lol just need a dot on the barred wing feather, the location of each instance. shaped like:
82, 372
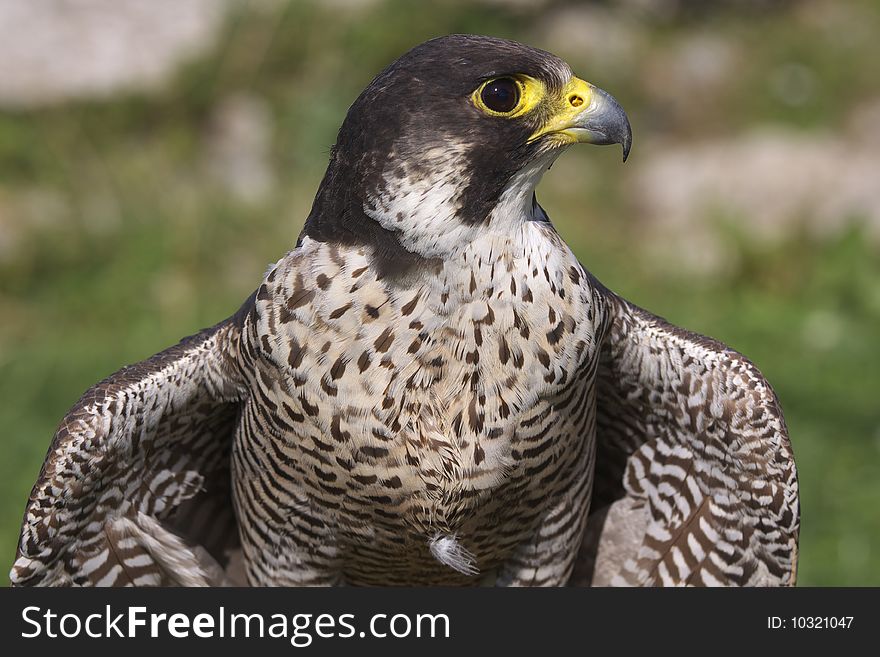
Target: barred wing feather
135, 488
695, 482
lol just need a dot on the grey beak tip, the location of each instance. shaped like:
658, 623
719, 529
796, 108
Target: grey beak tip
623, 131
614, 124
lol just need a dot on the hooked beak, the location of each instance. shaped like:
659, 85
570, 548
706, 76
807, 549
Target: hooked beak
589, 115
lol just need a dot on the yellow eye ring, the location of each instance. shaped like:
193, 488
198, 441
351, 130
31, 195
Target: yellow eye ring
508, 96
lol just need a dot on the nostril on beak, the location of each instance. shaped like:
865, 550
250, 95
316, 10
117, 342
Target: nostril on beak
575, 100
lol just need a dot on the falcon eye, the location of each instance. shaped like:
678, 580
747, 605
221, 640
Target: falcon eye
501, 95
509, 96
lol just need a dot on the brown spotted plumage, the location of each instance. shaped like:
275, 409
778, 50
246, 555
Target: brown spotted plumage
429, 389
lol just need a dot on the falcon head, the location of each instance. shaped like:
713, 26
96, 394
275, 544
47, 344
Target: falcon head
449, 141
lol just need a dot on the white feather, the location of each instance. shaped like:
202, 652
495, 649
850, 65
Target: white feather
448, 551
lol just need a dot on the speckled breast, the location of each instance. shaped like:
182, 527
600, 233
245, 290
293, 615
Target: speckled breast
455, 402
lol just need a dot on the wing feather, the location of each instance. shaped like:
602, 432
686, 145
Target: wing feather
135, 488
696, 482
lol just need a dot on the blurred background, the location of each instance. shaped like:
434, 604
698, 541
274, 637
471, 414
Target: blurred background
156, 156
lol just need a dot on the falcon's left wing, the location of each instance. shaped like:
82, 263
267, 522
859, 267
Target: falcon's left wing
695, 478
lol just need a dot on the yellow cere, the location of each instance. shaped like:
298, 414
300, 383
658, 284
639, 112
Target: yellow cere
573, 100
531, 93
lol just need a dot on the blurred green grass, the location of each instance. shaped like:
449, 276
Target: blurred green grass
129, 243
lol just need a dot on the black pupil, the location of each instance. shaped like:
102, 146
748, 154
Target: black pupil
501, 95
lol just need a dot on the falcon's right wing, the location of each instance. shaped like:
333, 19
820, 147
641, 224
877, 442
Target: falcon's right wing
135, 488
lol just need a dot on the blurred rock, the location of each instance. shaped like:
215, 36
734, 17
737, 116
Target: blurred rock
344, 5
591, 37
863, 122
652, 8
836, 24
239, 147
676, 9
55, 50
516, 4
770, 183
687, 81
701, 60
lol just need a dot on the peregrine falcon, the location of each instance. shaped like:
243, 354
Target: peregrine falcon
429, 389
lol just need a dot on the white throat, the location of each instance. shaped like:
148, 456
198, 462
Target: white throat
422, 208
